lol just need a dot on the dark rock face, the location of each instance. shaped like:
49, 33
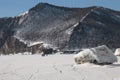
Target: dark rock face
47, 51
88, 35
13, 45
61, 27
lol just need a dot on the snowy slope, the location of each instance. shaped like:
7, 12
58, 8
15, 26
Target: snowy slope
44, 19
60, 27
54, 67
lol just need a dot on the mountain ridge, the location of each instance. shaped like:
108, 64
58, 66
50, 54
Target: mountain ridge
59, 27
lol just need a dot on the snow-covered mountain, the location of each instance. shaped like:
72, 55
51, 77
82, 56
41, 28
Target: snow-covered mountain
59, 27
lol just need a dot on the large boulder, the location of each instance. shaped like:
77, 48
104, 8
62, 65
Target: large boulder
117, 52
99, 55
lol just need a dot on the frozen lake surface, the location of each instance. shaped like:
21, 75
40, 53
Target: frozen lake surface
54, 67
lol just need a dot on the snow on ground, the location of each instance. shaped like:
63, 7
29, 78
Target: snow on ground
54, 67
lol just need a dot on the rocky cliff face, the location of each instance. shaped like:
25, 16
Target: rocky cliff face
59, 27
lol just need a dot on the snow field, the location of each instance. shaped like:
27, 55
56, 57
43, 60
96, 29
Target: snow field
54, 67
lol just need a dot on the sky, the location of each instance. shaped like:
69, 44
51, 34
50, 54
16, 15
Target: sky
15, 7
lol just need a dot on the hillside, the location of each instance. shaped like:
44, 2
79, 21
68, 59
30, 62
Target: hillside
59, 27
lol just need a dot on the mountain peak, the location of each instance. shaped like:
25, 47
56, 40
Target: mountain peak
60, 27
41, 6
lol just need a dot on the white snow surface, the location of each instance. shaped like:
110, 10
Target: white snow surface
35, 43
24, 13
117, 52
104, 54
70, 30
84, 17
54, 67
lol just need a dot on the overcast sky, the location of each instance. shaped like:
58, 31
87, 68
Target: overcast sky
15, 7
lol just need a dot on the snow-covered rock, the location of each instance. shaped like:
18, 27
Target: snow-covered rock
99, 55
117, 52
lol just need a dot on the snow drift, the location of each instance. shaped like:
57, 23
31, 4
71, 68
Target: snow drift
99, 55
117, 52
